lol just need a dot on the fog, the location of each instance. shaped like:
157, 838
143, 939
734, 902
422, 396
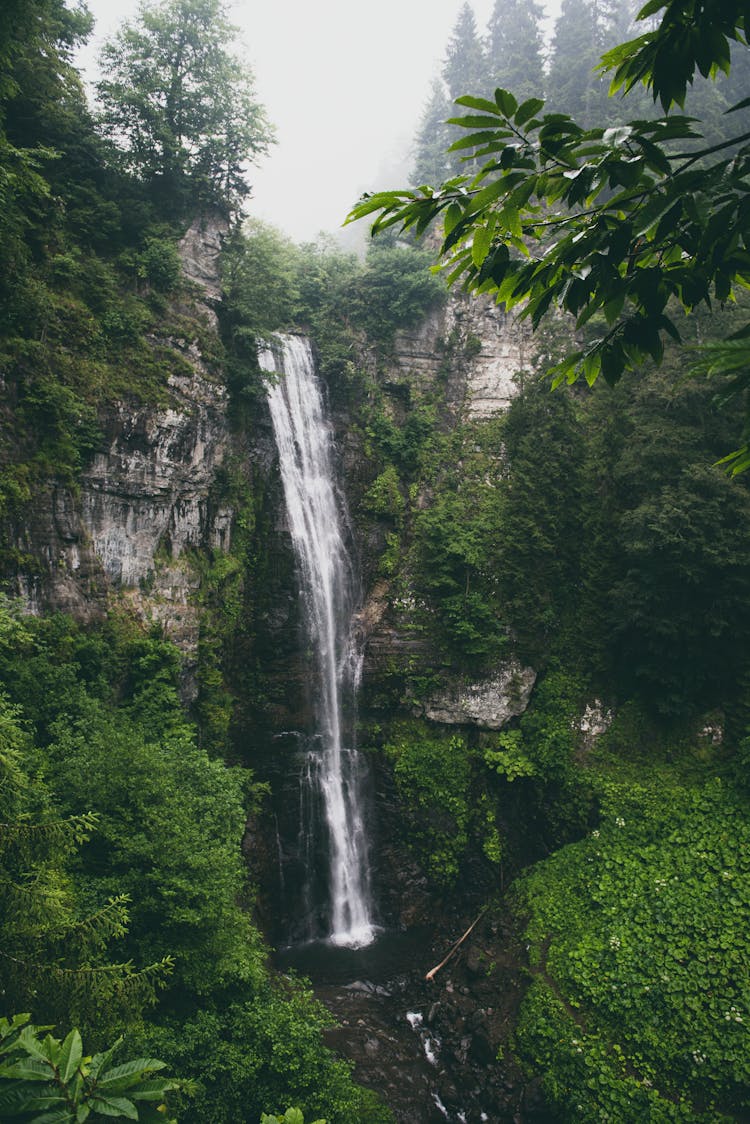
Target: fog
343, 81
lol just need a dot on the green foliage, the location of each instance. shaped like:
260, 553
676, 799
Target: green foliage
258, 1049
455, 542
384, 497
538, 758
50, 1080
538, 542
55, 952
615, 221
637, 950
291, 1116
181, 103
109, 734
433, 776
395, 290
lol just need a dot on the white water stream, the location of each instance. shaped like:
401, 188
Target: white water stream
333, 770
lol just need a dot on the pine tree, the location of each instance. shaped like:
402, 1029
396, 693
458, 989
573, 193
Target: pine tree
464, 66
432, 163
514, 48
573, 85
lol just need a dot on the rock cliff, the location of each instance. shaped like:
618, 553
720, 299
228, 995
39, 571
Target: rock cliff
148, 497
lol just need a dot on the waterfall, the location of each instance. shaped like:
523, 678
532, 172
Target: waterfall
332, 771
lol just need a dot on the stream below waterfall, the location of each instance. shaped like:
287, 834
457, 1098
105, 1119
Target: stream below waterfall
430, 1049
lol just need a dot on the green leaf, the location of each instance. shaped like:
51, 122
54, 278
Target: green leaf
506, 102
114, 1106
293, 1116
29, 1069
453, 216
481, 243
131, 1071
70, 1055
478, 103
527, 110
478, 121
154, 1090
99, 1062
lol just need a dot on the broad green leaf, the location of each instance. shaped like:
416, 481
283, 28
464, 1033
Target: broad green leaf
474, 140
481, 243
478, 103
527, 110
487, 195
506, 102
592, 365
453, 216
478, 121
114, 1106
650, 8
70, 1055
17, 1098
29, 1069
154, 1090
293, 1116
99, 1062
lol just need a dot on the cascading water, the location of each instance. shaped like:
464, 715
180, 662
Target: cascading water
332, 771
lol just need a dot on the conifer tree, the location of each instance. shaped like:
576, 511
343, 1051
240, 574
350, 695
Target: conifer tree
573, 85
463, 68
432, 162
514, 48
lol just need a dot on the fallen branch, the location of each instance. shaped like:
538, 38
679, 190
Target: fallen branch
434, 971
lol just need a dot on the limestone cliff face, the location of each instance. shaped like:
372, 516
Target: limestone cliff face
148, 495
475, 347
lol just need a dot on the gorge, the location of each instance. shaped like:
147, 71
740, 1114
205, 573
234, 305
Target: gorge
374, 719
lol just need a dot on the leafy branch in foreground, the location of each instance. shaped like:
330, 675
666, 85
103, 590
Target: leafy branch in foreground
618, 222
640, 225
51, 1081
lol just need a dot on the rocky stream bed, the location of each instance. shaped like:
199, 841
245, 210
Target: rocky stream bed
435, 1050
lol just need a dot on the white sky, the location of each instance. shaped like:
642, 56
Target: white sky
343, 81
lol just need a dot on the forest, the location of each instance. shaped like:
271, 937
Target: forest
537, 381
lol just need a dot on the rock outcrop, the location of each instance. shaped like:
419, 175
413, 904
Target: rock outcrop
473, 345
488, 703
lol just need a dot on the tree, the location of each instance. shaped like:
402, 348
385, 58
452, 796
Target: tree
432, 162
463, 67
181, 105
573, 86
514, 47
606, 224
